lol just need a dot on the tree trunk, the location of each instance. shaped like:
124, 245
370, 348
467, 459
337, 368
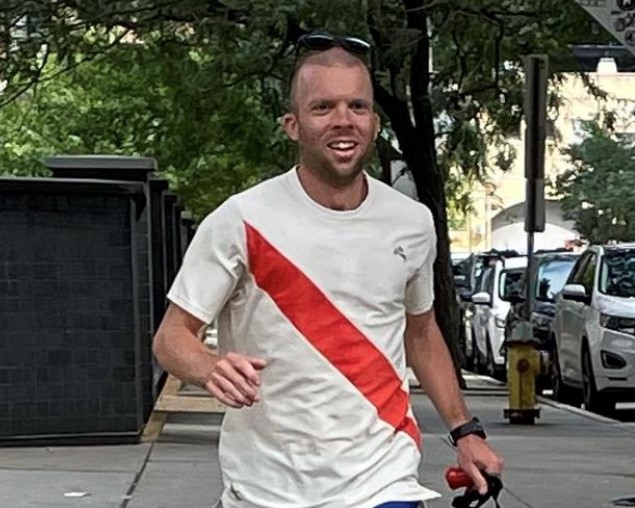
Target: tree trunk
384, 153
419, 152
431, 191
417, 142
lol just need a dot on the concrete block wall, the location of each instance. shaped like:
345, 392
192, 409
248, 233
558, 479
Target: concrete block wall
83, 277
68, 360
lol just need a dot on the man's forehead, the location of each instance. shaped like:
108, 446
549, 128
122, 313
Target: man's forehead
310, 71
320, 67
317, 85
331, 56
315, 71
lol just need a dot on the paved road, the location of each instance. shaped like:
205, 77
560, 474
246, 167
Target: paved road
567, 460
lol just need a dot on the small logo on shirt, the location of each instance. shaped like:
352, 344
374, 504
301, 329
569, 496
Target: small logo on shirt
235, 493
400, 252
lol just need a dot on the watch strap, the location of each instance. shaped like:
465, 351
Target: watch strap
473, 426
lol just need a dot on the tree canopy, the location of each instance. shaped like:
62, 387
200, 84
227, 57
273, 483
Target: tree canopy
210, 140
447, 76
597, 193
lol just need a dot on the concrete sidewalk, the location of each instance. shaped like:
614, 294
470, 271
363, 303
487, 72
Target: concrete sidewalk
569, 459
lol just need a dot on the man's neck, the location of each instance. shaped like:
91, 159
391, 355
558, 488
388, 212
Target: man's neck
344, 198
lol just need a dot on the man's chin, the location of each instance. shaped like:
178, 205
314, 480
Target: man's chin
346, 173
351, 166
337, 172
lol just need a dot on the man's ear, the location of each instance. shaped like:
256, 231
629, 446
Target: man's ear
377, 125
290, 125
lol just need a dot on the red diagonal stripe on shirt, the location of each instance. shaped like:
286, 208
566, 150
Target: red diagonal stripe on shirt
330, 332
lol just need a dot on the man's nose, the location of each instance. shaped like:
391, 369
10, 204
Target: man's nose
342, 116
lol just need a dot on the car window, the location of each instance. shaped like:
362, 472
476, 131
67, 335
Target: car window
617, 273
578, 270
478, 272
485, 280
489, 280
588, 274
510, 281
552, 275
478, 264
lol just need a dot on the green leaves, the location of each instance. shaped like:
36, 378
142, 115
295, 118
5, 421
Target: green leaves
163, 101
198, 80
598, 193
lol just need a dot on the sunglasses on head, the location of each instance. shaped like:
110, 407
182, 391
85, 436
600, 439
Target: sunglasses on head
322, 42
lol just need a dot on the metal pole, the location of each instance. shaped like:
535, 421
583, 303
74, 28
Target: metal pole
530, 263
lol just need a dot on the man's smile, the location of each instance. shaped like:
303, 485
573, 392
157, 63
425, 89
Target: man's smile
343, 147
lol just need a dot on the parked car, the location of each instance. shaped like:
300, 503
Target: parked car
491, 304
466, 281
547, 277
458, 258
594, 330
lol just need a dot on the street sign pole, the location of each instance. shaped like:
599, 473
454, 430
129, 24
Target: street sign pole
524, 361
536, 78
616, 16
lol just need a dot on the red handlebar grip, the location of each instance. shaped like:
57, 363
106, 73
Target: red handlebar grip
457, 478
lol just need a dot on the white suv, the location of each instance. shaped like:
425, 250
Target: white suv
594, 330
487, 324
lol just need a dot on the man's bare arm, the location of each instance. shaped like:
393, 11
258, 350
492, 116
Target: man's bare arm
430, 360
177, 346
233, 379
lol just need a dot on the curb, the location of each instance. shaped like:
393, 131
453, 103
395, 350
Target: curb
576, 410
498, 388
586, 414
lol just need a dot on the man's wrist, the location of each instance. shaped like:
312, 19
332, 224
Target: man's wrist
471, 427
206, 367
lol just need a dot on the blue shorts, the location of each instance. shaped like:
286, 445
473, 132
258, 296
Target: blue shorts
399, 504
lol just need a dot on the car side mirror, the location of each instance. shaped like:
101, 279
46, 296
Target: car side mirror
465, 296
482, 298
576, 293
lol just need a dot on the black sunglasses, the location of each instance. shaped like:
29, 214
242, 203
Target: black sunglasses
322, 42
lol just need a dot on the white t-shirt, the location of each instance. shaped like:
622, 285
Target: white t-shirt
321, 295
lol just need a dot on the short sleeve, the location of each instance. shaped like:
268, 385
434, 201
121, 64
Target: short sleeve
213, 264
420, 286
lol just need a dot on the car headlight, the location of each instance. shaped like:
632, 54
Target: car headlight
500, 322
619, 324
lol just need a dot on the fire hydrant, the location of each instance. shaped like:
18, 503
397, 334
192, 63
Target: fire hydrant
524, 364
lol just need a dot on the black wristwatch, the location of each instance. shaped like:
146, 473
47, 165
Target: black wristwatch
474, 426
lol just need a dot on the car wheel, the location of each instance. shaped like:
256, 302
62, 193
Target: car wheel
464, 359
561, 392
479, 360
472, 359
543, 382
593, 400
491, 368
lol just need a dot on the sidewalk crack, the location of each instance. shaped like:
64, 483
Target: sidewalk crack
133, 486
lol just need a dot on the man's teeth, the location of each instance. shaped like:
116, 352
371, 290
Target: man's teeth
342, 145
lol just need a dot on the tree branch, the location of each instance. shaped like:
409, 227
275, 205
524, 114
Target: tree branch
388, 102
37, 77
416, 19
25, 87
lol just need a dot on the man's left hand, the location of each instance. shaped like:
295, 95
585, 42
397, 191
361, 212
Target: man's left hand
475, 456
